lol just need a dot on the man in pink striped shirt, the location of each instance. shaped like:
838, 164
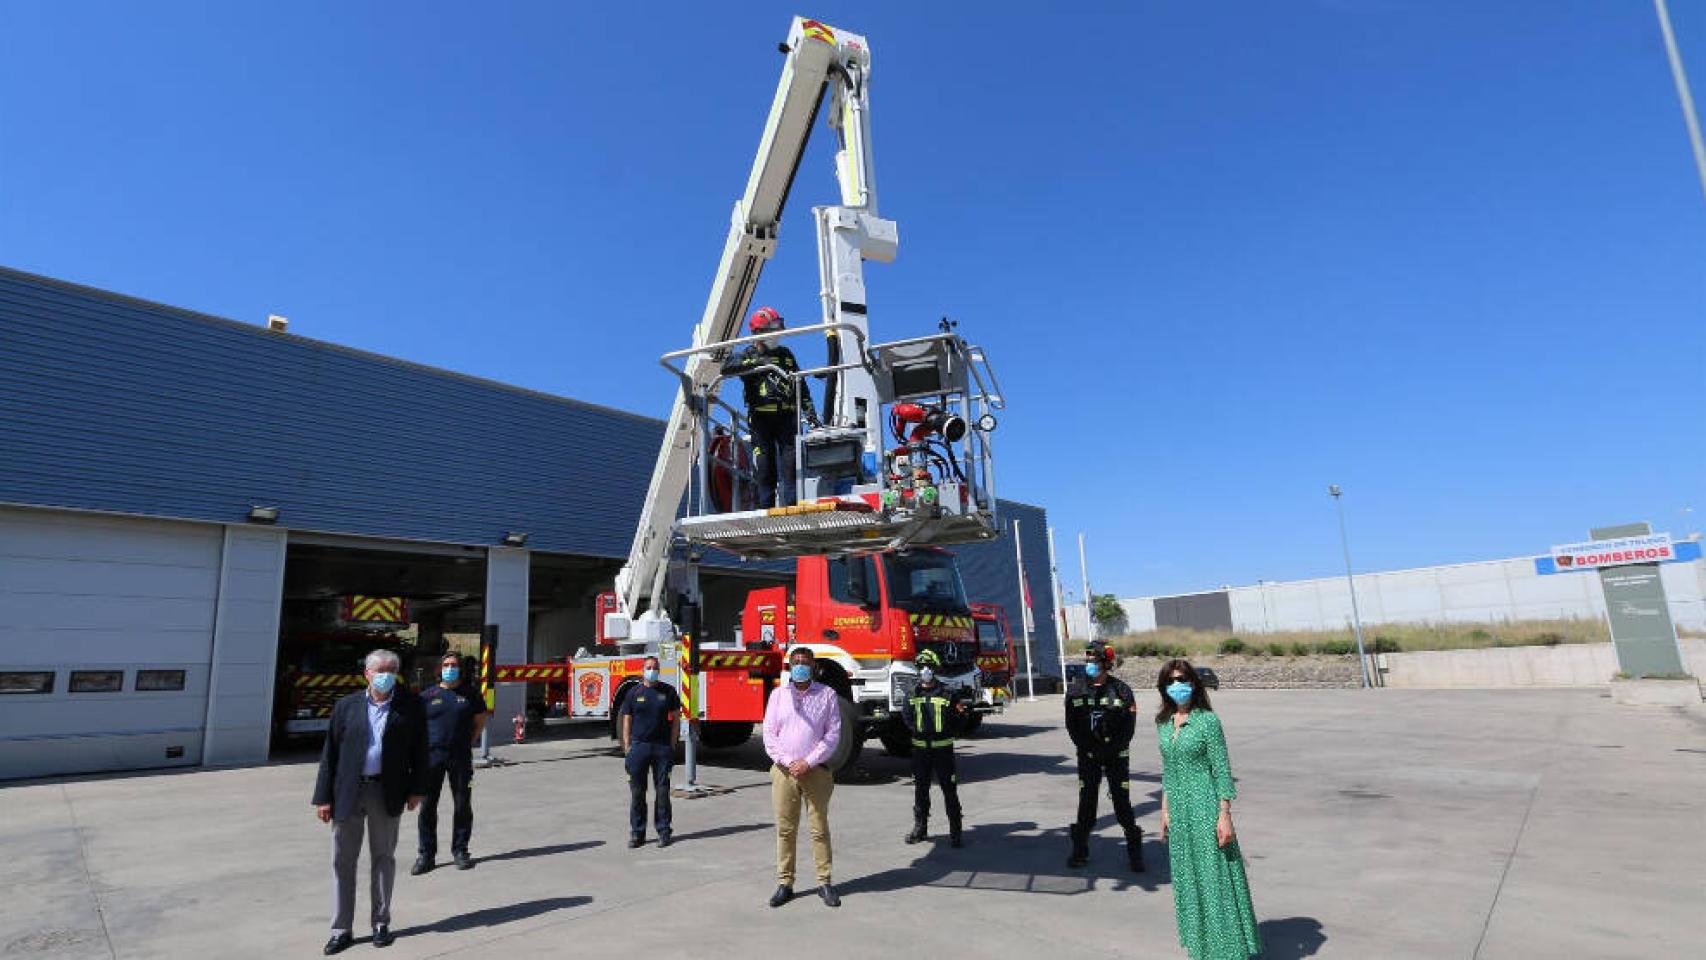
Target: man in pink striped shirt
802, 725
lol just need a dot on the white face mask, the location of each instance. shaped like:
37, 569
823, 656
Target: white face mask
926, 675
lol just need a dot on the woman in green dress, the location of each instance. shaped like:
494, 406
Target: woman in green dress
1211, 897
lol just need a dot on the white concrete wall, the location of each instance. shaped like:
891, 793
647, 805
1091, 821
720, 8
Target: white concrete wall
1565, 665
1493, 591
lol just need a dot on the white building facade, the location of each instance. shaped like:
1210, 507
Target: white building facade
1491, 591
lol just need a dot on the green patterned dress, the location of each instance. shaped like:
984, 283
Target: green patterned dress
1211, 897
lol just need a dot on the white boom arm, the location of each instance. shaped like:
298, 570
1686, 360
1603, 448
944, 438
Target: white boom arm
819, 58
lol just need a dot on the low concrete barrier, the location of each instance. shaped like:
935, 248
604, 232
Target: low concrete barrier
1565, 665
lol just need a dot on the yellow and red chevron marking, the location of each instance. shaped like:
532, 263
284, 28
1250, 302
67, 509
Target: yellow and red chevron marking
717, 661
533, 672
360, 609
817, 31
992, 663
940, 620
330, 680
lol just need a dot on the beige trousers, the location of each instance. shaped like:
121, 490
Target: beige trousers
786, 795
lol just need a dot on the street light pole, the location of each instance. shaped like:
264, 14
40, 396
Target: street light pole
1680, 76
1350, 581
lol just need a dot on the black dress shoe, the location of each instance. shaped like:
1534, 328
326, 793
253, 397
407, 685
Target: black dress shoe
634, 842
665, 840
830, 897
463, 861
422, 865
339, 943
382, 936
783, 894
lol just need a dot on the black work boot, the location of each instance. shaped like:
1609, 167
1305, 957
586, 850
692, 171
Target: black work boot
1080, 847
920, 830
954, 837
1134, 849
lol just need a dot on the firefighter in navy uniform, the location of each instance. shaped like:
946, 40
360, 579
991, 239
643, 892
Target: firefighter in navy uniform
1101, 715
933, 715
455, 715
771, 410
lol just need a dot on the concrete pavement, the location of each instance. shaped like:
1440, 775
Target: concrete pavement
1386, 824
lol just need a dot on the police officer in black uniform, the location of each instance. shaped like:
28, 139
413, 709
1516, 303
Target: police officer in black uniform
649, 735
771, 411
1101, 715
455, 715
934, 714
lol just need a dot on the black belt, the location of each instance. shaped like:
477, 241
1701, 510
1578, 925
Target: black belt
367, 779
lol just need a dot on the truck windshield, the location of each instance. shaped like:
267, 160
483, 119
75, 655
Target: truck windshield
989, 637
924, 580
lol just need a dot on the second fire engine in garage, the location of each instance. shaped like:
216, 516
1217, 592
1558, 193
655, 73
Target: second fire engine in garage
996, 666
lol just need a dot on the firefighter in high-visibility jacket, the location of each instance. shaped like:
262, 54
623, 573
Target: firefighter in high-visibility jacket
1101, 715
933, 715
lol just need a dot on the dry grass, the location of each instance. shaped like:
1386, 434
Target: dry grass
1386, 637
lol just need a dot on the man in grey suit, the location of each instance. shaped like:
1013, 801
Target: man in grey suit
373, 765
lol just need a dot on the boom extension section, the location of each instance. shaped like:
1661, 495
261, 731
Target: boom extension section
903, 454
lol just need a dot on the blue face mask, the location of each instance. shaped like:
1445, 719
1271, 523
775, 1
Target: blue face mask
450, 674
650, 674
1092, 670
383, 682
1179, 692
800, 673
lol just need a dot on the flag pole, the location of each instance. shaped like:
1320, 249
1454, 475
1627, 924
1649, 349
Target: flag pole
1025, 603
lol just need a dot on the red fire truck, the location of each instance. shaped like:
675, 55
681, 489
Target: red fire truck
897, 464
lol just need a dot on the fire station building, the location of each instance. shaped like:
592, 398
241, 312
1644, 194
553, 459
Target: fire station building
195, 510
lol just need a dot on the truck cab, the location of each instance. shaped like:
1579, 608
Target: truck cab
866, 616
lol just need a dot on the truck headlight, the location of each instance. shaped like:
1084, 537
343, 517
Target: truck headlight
303, 713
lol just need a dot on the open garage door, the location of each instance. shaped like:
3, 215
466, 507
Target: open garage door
342, 601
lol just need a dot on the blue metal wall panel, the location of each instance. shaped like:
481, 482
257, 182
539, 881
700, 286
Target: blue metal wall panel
113, 404
990, 574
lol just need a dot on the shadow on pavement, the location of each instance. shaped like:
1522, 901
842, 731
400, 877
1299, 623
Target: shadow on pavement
493, 916
996, 730
872, 768
996, 857
1292, 938
551, 850
716, 832
975, 765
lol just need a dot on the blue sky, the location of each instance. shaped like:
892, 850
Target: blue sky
1446, 254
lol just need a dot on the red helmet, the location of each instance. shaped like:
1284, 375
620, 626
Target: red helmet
765, 319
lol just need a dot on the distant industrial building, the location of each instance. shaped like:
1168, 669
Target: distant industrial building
194, 511
1490, 591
